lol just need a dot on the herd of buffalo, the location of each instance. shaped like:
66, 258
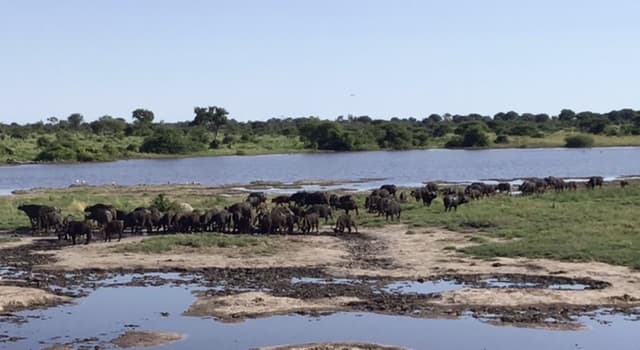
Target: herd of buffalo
301, 211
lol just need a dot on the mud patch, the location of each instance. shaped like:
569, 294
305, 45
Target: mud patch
259, 304
133, 339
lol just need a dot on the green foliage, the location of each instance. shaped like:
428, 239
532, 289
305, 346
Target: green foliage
501, 139
585, 225
161, 202
579, 141
395, 136
326, 136
166, 140
473, 136
142, 116
113, 138
75, 120
212, 118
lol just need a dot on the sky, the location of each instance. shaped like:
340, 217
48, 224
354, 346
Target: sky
291, 58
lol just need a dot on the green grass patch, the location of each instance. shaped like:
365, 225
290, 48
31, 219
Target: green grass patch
9, 239
600, 225
164, 244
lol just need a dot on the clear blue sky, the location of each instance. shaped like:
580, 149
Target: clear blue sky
268, 58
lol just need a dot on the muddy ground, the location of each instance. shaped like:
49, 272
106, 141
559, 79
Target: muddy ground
350, 273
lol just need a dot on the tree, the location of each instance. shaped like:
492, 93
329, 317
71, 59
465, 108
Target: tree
167, 140
142, 116
475, 137
212, 118
108, 125
567, 115
75, 120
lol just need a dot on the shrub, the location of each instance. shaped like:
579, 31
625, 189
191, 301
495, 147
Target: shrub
454, 142
538, 135
501, 139
161, 202
578, 141
475, 137
5, 150
215, 144
166, 140
228, 139
43, 142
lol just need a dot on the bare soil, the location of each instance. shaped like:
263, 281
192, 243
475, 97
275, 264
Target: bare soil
259, 285
140, 339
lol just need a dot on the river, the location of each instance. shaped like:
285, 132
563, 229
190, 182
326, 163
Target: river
400, 167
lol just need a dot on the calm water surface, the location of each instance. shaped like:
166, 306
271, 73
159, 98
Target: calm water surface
400, 167
108, 312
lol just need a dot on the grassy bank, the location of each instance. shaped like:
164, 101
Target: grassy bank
600, 225
106, 148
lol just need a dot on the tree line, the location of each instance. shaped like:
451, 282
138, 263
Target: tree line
212, 128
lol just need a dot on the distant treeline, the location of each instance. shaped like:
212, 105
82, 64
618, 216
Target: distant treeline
211, 128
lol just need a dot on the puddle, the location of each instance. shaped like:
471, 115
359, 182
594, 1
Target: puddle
577, 286
296, 280
426, 287
524, 281
108, 312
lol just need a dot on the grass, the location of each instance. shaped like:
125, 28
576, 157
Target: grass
600, 225
9, 239
72, 201
164, 244
26, 149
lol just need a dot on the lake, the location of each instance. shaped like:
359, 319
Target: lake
408, 168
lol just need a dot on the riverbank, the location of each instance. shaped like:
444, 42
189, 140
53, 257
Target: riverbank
26, 150
540, 261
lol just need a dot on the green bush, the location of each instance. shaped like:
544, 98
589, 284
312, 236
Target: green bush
579, 141
501, 139
166, 140
454, 142
475, 137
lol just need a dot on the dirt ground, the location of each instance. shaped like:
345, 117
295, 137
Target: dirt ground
386, 254
13, 297
295, 251
141, 339
260, 304
409, 256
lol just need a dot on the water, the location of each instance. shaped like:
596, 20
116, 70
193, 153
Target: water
427, 287
108, 312
401, 167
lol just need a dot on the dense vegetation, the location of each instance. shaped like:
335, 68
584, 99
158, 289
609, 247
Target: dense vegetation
211, 131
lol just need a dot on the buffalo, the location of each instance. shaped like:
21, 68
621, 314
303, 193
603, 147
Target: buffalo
595, 181
345, 221
113, 227
452, 201
76, 229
